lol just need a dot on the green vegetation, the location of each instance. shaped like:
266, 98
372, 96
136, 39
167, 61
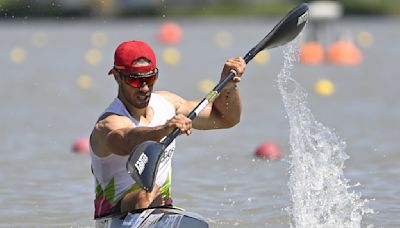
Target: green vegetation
229, 9
378, 7
262, 8
49, 8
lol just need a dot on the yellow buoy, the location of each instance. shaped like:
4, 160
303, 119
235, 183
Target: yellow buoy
17, 55
206, 86
40, 39
324, 87
223, 39
93, 56
99, 39
171, 56
84, 81
262, 57
365, 39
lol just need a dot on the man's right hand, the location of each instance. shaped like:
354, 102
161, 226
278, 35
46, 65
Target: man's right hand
181, 122
140, 198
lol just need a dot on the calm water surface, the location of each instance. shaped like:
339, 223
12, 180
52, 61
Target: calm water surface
44, 111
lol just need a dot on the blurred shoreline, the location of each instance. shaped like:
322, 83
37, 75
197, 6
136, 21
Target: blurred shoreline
189, 8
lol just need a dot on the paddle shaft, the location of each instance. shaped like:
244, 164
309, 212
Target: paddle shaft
288, 30
143, 162
211, 96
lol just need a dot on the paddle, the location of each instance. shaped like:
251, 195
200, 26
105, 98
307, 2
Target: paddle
144, 160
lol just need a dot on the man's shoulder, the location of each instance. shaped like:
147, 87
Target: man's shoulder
112, 121
107, 123
164, 93
173, 98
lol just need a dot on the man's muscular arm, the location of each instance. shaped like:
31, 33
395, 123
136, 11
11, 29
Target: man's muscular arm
116, 134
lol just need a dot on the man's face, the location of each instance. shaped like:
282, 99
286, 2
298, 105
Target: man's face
137, 87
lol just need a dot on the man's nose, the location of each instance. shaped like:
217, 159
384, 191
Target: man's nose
144, 87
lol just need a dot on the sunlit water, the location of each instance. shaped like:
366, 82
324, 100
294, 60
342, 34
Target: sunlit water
320, 193
215, 173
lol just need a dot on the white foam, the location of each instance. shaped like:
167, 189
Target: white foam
321, 195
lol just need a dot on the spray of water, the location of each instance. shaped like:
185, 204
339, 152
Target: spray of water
321, 195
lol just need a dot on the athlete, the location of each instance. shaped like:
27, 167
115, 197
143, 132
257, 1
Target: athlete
139, 114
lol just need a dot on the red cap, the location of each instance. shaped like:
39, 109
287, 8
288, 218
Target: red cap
129, 51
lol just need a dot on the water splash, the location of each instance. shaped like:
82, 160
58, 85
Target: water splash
321, 195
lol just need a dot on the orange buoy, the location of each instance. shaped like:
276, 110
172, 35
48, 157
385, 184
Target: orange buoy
344, 53
170, 33
311, 53
81, 146
270, 151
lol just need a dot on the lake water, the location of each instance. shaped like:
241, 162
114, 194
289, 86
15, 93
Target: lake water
44, 111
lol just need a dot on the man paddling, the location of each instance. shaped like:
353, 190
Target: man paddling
138, 114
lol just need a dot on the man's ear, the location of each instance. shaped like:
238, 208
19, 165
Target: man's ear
117, 77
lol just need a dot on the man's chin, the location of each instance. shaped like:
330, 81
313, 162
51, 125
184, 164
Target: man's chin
142, 103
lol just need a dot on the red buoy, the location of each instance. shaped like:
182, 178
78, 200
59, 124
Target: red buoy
270, 151
81, 146
170, 33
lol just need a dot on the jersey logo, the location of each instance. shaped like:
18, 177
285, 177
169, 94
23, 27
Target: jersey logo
141, 163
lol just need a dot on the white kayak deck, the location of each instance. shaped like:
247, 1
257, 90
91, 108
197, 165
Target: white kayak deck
154, 218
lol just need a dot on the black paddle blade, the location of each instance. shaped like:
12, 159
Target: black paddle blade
285, 31
288, 28
143, 163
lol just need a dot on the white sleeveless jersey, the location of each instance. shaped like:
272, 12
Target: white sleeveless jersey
111, 170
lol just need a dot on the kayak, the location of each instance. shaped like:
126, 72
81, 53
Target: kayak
154, 218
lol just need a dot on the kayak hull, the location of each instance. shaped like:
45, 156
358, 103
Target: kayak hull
154, 218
